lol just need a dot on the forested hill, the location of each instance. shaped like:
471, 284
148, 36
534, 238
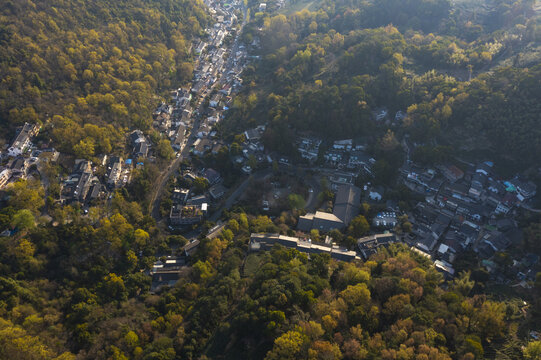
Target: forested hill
328, 68
76, 289
92, 67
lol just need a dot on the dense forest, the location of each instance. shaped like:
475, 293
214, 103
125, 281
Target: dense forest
77, 289
90, 69
328, 69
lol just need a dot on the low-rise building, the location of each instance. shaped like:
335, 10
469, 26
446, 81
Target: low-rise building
321, 221
180, 136
346, 144
452, 173
200, 48
187, 215
5, 175
254, 134
180, 196
23, 139
201, 146
212, 176
369, 245
77, 186
309, 148
525, 189
166, 273
141, 150
114, 172
215, 100
19, 167
267, 241
346, 207
217, 191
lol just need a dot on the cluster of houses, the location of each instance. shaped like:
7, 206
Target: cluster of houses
253, 150
190, 209
216, 77
21, 155
270, 6
167, 270
382, 116
346, 154
86, 183
466, 206
85, 186
140, 144
23, 140
308, 148
82, 185
344, 160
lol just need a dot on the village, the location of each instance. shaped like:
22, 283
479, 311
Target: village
461, 206
216, 79
457, 209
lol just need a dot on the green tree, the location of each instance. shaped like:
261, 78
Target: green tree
200, 185
462, 283
113, 288
23, 220
296, 201
356, 295
359, 226
164, 149
131, 339
16, 343
84, 149
26, 194
532, 351
141, 237
287, 346
233, 225
389, 141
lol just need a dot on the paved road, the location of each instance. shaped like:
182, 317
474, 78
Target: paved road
232, 199
157, 191
527, 207
154, 205
311, 202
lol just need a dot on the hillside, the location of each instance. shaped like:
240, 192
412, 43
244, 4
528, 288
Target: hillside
294, 179
338, 63
89, 69
229, 304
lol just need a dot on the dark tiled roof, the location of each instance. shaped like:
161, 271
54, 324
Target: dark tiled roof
348, 200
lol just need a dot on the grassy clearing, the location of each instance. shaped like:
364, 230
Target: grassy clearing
252, 264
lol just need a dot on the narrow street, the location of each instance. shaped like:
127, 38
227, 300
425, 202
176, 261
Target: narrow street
231, 65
